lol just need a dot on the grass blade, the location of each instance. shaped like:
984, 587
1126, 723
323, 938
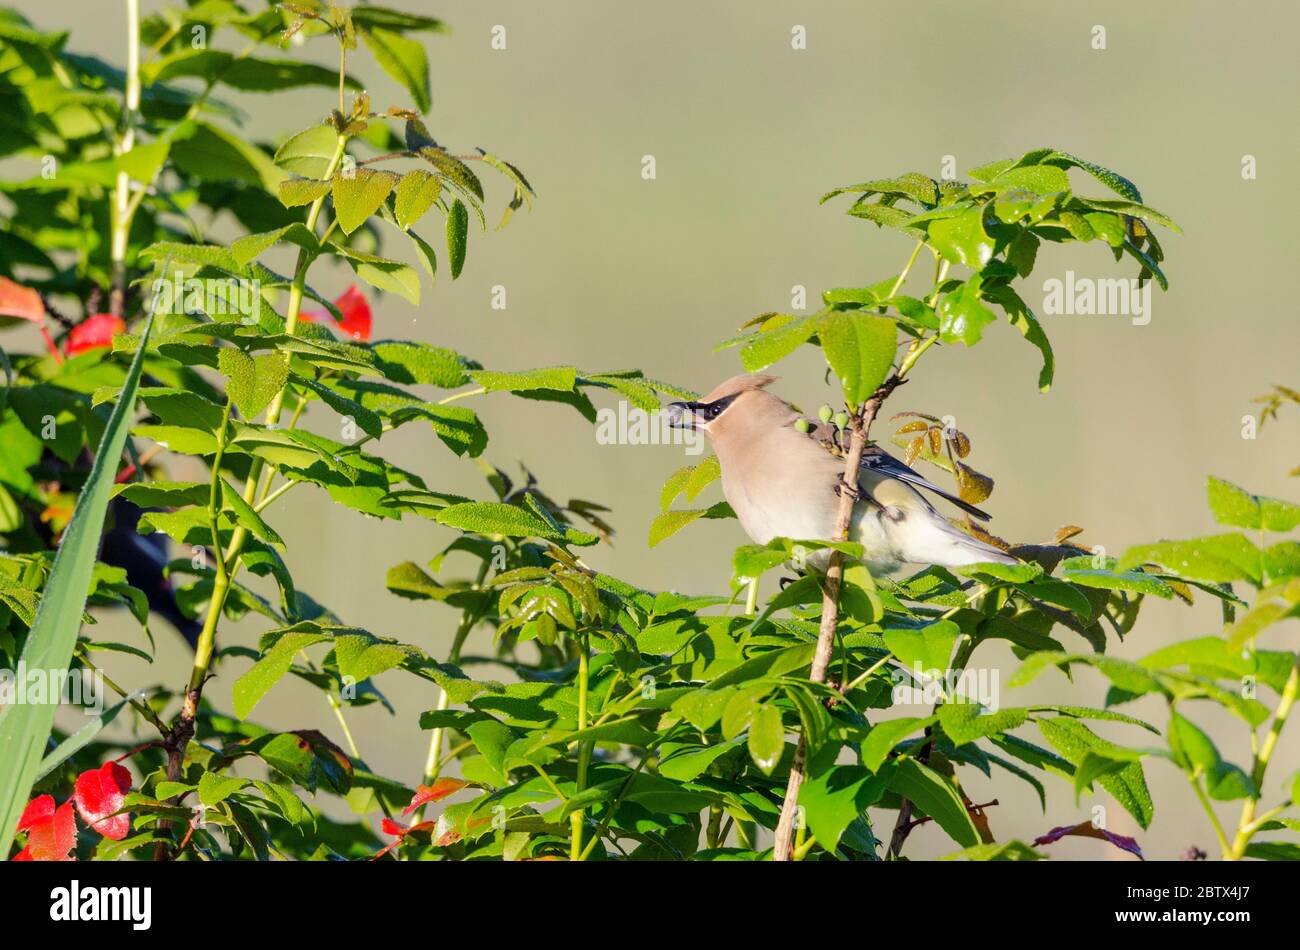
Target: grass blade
25, 728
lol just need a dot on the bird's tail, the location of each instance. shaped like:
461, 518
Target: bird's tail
935, 540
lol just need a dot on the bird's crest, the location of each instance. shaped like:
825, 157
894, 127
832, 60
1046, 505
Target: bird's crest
737, 385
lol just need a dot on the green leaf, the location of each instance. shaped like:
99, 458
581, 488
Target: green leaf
388, 275
1073, 740
308, 153
962, 314
834, 796
358, 195
920, 188
257, 681
295, 192
416, 193
214, 154
215, 789
1273, 850
403, 59
454, 170
766, 737
1192, 748
930, 647
1218, 559
248, 248
25, 727
966, 722
306, 757
962, 239
253, 382
937, 799
773, 345
668, 523
884, 736
457, 236
366, 419
561, 378
420, 363
1040, 179
399, 20
1115, 182
242, 513
1237, 507
495, 518
860, 349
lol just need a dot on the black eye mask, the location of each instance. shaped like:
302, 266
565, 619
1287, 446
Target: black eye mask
710, 410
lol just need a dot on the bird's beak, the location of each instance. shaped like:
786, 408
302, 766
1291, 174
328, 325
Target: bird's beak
681, 415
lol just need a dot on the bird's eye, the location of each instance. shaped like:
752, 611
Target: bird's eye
713, 411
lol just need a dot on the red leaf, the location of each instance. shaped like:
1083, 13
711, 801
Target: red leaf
357, 319
399, 831
51, 832
1086, 829
98, 794
20, 303
434, 793
39, 809
95, 332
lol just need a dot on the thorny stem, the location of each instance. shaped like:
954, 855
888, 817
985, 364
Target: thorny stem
861, 428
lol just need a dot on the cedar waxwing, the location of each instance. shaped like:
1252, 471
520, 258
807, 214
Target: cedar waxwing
784, 482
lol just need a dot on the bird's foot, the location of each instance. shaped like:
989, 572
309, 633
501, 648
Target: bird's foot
842, 487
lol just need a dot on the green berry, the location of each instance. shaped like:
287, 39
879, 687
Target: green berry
803, 425
841, 420
825, 413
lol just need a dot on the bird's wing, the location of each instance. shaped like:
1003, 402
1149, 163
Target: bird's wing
878, 460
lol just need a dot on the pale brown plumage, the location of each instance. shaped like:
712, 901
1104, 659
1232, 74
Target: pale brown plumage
781, 482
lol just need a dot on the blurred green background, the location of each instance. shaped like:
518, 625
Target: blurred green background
611, 271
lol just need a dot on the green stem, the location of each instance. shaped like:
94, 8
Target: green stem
1195, 780
144, 710
1247, 825
229, 560
122, 211
476, 391
907, 269
866, 674
584, 751
921, 344
433, 760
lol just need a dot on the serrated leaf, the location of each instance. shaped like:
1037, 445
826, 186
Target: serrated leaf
357, 196
415, 195
252, 382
